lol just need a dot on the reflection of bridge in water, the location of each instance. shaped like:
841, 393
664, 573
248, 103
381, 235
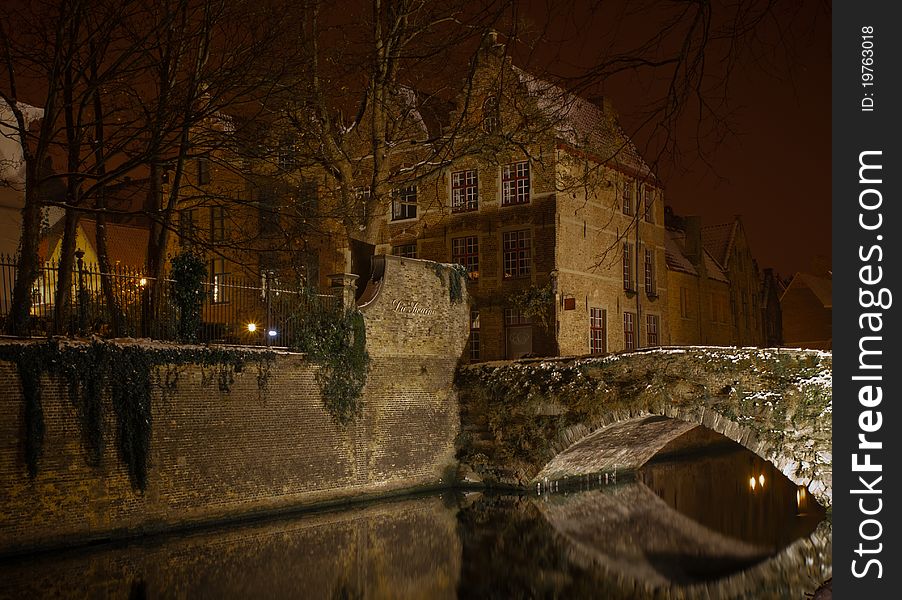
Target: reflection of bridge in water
652, 550
707, 523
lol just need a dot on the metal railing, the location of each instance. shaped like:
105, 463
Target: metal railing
234, 310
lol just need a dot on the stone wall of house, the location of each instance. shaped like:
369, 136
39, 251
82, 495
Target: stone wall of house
592, 231
217, 454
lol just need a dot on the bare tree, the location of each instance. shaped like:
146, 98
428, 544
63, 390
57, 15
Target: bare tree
124, 86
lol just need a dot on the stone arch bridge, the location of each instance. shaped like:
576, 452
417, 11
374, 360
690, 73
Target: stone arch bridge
535, 420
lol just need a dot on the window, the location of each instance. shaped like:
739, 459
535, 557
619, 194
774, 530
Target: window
626, 203
490, 121
218, 279
187, 227
405, 250
515, 183
464, 191
217, 224
629, 283
267, 211
474, 336
684, 302
404, 203
203, 171
286, 155
629, 330
513, 316
362, 197
651, 330
465, 251
308, 196
597, 335
517, 248
649, 204
651, 287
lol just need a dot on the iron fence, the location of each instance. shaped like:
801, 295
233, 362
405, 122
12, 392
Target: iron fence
119, 303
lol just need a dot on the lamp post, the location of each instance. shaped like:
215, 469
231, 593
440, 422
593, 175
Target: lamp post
80, 293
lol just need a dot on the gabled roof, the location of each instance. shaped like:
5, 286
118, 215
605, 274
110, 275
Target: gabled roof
719, 239
821, 287
673, 253
714, 270
584, 125
126, 244
676, 260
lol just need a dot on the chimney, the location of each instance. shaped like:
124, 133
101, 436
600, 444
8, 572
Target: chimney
693, 227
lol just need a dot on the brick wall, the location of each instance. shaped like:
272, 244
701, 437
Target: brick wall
217, 455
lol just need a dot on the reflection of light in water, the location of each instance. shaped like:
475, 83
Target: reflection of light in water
802, 499
754, 483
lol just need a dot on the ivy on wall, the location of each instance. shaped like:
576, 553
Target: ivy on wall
535, 303
126, 372
336, 341
457, 276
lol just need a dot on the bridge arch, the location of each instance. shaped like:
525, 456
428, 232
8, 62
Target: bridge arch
614, 413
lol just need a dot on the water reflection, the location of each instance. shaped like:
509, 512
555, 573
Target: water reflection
685, 523
735, 493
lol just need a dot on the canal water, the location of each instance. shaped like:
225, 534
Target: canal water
715, 524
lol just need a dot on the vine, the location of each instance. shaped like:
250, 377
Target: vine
535, 303
87, 369
457, 275
336, 341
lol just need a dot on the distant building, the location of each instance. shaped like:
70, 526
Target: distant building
771, 309
728, 245
698, 290
807, 305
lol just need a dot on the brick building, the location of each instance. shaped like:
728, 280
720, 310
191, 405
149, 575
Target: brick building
563, 236
698, 296
728, 245
541, 197
807, 305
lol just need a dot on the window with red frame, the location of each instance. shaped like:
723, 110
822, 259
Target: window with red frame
517, 248
515, 183
465, 251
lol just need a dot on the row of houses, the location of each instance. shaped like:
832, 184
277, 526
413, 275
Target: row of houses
564, 234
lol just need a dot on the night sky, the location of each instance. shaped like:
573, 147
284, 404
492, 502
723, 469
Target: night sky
774, 170
777, 172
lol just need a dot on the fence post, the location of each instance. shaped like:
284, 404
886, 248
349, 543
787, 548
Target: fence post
80, 295
344, 286
267, 287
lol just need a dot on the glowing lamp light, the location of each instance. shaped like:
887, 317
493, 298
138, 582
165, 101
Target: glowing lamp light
142, 282
761, 479
752, 482
252, 327
273, 333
